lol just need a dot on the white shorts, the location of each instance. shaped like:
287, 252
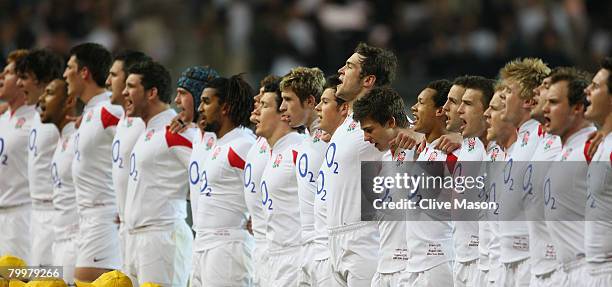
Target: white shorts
441, 275
98, 242
228, 264
386, 279
551, 279
313, 272
600, 274
516, 274
260, 264
160, 256
64, 254
43, 234
284, 266
465, 274
354, 253
576, 274
15, 235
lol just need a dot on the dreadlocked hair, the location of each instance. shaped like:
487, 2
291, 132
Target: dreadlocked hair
238, 95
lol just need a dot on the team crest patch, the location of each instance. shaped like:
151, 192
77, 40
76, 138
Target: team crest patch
352, 126
216, 152
263, 148
494, 153
20, 123
89, 116
149, 135
525, 139
432, 156
401, 156
209, 143
471, 144
317, 136
129, 122
548, 144
566, 154
277, 161
65, 144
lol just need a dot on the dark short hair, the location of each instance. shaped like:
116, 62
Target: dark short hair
577, 81
129, 58
96, 58
332, 82
381, 104
461, 80
482, 84
607, 65
274, 87
268, 80
378, 62
237, 94
441, 87
153, 75
44, 64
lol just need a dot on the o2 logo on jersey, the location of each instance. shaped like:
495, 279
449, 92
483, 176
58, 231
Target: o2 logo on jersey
330, 156
194, 173
20, 122
133, 171
277, 161
77, 153
3, 157
549, 199
32, 142
508, 180
116, 154
303, 169
204, 188
527, 186
321, 187
55, 175
266, 200
248, 178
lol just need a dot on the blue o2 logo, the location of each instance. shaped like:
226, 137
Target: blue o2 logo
77, 153
116, 154
194, 173
266, 200
549, 199
32, 142
204, 188
508, 180
527, 185
330, 157
303, 169
3, 157
248, 179
55, 175
321, 192
133, 171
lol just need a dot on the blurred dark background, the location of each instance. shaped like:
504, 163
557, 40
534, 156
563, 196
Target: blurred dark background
432, 38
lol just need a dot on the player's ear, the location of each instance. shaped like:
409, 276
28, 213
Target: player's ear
311, 101
225, 109
440, 112
529, 103
391, 124
369, 81
151, 94
344, 109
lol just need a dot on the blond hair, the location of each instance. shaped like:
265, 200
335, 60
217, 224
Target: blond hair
528, 72
304, 82
16, 55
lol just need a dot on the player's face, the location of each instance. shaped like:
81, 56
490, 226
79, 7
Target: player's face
72, 75
599, 98
471, 113
115, 82
493, 115
557, 109
30, 86
255, 111
539, 96
329, 112
424, 111
350, 78
8, 83
269, 118
293, 111
377, 134
453, 122
210, 111
513, 102
52, 102
184, 101
135, 96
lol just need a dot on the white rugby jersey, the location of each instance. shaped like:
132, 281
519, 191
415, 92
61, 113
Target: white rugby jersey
14, 134
64, 195
565, 195
41, 146
465, 236
256, 161
598, 246
542, 249
393, 248
128, 131
514, 235
159, 161
429, 241
310, 153
345, 151
203, 144
221, 205
92, 164
279, 194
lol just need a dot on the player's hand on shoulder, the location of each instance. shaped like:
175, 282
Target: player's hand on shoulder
406, 139
449, 142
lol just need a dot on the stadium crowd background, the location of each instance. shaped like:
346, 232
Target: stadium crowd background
432, 38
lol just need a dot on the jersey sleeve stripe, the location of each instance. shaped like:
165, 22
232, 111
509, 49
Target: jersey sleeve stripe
174, 139
295, 153
108, 119
451, 159
586, 151
234, 159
